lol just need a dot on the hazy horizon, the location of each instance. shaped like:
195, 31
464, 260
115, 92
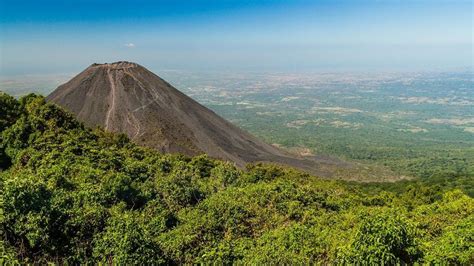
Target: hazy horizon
45, 83
54, 37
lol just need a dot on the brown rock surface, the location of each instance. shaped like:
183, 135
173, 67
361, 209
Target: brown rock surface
125, 97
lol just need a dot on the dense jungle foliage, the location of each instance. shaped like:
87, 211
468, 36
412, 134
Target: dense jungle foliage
75, 195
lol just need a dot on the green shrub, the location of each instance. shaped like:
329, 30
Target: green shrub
72, 195
383, 238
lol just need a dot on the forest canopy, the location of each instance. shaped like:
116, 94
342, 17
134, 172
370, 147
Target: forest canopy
78, 195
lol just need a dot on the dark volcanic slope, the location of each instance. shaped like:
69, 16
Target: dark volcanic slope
125, 97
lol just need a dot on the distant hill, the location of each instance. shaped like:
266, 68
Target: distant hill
126, 97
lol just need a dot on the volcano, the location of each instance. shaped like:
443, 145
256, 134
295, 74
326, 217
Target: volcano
127, 98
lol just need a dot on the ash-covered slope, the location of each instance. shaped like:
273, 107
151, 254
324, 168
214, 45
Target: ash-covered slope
125, 97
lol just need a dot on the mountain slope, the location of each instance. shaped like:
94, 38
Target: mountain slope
125, 97
72, 195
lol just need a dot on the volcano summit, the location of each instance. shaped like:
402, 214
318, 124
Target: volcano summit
127, 98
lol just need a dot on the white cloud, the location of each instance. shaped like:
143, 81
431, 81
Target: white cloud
130, 45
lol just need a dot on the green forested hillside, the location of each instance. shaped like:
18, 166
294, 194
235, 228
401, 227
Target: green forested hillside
71, 194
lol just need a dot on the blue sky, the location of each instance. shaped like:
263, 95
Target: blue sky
66, 36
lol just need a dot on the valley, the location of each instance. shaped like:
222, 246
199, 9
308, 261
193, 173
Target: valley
416, 124
392, 126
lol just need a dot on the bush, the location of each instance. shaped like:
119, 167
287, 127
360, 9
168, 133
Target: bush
71, 195
383, 238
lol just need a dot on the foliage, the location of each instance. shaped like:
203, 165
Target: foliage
383, 238
75, 195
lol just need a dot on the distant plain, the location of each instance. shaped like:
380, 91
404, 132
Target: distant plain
413, 124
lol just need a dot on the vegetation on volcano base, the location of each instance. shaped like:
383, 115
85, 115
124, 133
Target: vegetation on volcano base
71, 194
